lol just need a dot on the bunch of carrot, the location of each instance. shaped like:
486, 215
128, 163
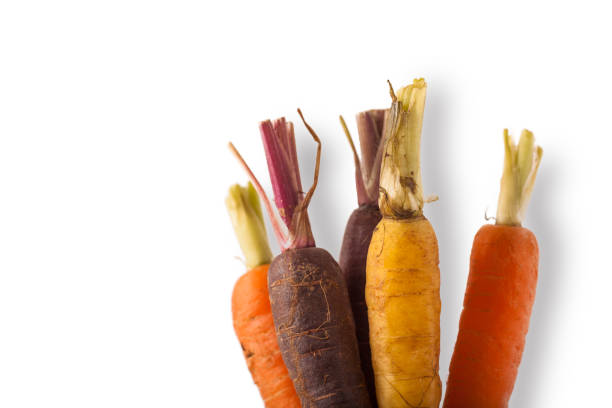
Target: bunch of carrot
365, 332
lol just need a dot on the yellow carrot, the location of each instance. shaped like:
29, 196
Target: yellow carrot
402, 274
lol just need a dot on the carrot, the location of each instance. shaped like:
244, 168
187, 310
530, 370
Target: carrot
500, 291
402, 275
309, 299
251, 311
359, 228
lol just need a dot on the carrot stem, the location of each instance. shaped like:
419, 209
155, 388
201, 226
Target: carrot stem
367, 171
281, 155
401, 192
521, 164
370, 126
280, 234
300, 231
247, 219
279, 145
362, 194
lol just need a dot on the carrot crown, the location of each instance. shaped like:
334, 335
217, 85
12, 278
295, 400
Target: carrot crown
245, 212
521, 164
401, 192
291, 202
367, 170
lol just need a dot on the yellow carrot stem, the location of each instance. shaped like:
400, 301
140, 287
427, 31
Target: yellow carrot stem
401, 193
521, 164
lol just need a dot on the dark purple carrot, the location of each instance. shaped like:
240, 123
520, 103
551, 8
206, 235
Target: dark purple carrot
309, 299
359, 228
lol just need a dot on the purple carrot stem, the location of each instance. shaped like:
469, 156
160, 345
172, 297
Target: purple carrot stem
300, 230
362, 194
282, 170
284, 131
370, 126
281, 155
294, 158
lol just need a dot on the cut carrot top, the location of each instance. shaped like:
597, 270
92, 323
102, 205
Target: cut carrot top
247, 219
292, 204
367, 169
401, 192
521, 164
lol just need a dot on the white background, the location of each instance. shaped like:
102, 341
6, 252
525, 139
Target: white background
117, 258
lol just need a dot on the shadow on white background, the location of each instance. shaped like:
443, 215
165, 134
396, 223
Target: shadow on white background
552, 276
440, 177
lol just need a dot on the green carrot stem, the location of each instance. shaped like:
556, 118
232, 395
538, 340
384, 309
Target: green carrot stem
247, 219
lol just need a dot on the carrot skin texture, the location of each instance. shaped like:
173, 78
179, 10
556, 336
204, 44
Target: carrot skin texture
315, 329
254, 327
352, 261
495, 318
403, 298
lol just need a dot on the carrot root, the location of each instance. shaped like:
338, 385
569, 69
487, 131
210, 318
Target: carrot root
315, 329
352, 261
403, 299
495, 318
254, 328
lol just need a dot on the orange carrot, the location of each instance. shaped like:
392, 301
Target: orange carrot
255, 328
500, 292
251, 312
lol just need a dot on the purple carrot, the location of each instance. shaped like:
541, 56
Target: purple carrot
310, 302
359, 228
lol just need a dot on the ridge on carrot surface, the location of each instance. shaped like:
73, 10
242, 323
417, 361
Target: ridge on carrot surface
359, 228
500, 291
308, 295
251, 312
402, 275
